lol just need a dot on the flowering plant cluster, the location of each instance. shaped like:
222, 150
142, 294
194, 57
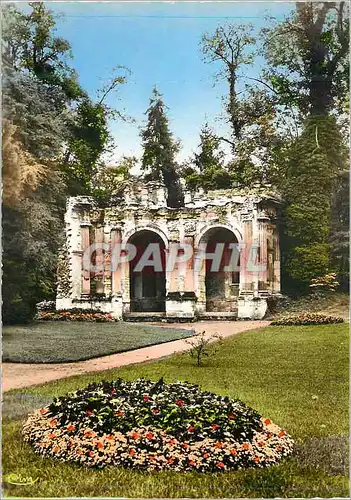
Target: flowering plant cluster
327, 282
155, 426
306, 318
75, 315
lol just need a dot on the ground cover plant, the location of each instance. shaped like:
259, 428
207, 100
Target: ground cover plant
307, 318
296, 375
155, 426
59, 342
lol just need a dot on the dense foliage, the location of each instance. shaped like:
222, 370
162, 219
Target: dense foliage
307, 318
155, 426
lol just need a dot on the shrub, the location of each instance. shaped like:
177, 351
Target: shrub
328, 282
46, 305
200, 346
306, 318
76, 315
155, 426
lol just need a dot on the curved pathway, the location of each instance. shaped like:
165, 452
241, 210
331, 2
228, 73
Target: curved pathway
17, 375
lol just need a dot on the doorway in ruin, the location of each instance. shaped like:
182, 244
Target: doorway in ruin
221, 285
147, 285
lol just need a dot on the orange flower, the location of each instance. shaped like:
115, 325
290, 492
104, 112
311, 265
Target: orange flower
100, 445
185, 446
233, 452
89, 434
267, 421
53, 422
170, 460
152, 458
191, 428
281, 433
215, 426
70, 428
191, 462
257, 460
51, 435
206, 455
220, 465
155, 410
132, 452
135, 435
231, 416
261, 443
56, 449
109, 437
91, 453
89, 413
119, 413
149, 435
246, 446
43, 411
219, 445
172, 441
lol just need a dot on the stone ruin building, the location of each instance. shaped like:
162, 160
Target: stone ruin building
189, 290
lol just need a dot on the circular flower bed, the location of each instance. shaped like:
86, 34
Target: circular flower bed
307, 318
155, 426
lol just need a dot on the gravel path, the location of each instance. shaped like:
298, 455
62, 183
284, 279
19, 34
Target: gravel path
17, 375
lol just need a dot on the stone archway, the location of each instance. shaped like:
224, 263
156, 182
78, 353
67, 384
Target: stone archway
147, 283
218, 286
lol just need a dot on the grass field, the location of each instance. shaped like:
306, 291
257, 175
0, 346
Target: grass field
297, 376
58, 342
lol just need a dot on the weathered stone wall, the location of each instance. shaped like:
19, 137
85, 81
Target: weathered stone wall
250, 218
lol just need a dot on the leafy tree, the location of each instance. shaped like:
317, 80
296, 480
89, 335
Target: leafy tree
89, 137
110, 180
249, 111
307, 56
29, 44
160, 148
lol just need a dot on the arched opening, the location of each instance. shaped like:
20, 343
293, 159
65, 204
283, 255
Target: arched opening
147, 278
221, 276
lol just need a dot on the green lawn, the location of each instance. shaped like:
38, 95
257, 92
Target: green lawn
297, 376
58, 342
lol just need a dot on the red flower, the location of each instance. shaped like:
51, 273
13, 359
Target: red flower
170, 460
155, 410
109, 437
113, 391
246, 446
91, 453
220, 465
219, 445
53, 422
89, 413
185, 446
152, 458
100, 445
180, 402
43, 411
215, 426
70, 428
267, 421
51, 435
206, 455
172, 441
281, 433
135, 435
149, 435
233, 452
191, 462
119, 413
146, 398
132, 452
231, 416
257, 460
191, 428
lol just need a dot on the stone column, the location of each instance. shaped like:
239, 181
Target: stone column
99, 259
85, 236
116, 239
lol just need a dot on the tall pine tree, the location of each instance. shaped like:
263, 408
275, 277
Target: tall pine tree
209, 172
160, 148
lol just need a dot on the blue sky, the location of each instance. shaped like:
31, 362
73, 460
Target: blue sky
159, 43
